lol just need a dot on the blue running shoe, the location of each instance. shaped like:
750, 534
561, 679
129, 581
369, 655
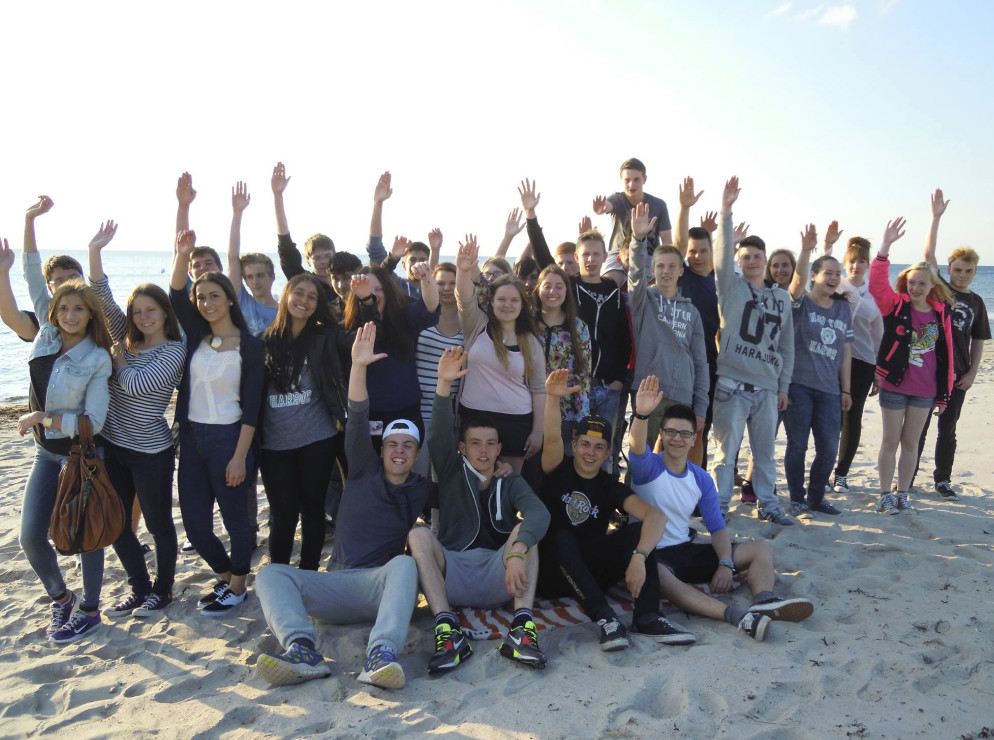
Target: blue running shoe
382, 669
296, 665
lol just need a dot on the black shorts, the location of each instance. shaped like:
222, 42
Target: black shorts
512, 429
689, 561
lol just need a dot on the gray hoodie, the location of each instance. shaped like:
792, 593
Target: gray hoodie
669, 337
757, 327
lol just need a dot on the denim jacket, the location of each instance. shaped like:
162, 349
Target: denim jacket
78, 383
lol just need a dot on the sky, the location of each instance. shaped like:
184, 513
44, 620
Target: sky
851, 111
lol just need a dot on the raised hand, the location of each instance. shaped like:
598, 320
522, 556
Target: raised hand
641, 223
184, 189
529, 198
894, 230
400, 246
600, 205
6, 256
730, 194
832, 235
514, 224
688, 197
186, 240
648, 395
435, 239
938, 204
44, 205
240, 197
450, 366
585, 225
709, 221
420, 271
279, 180
809, 239
363, 352
556, 385
383, 189
104, 235
361, 287
469, 254
740, 233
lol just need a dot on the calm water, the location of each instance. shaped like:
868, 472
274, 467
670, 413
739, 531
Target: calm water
128, 269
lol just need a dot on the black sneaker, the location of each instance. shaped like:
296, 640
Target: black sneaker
521, 644
665, 632
788, 610
614, 636
945, 490
775, 515
153, 603
826, 508
216, 590
224, 603
903, 499
61, 613
755, 625
451, 649
124, 608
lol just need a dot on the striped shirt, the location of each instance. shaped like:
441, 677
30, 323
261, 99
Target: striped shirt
139, 392
431, 344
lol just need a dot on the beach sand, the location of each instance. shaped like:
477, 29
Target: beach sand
900, 644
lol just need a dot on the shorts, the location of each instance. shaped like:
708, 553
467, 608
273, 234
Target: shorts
690, 562
894, 401
512, 429
475, 578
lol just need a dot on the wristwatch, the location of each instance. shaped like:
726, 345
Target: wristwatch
47, 421
728, 564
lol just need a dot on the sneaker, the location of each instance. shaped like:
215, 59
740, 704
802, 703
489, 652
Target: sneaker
124, 608
665, 632
800, 509
747, 494
755, 625
187, 548
774, 515
614, 636
451, 649
944, 489
841, 484
826, 508
521, 644
216, 590
383, 670
224, 603
153, 603
888, 504
61, 614
788, 610
76, 627
296, 665
904, 501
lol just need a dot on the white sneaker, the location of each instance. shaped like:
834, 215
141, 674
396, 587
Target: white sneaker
224, 603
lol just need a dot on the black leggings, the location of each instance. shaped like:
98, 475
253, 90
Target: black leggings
296, 482
861, 380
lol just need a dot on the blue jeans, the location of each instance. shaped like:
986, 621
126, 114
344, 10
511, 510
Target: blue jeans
815, 412
36, 516
204, 453
733, 411
384, 596
604, 402
150, 477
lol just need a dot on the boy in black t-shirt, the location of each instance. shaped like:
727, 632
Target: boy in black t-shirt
970, 330
578, 556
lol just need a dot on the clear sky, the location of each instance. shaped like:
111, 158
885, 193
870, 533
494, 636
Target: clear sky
854, 111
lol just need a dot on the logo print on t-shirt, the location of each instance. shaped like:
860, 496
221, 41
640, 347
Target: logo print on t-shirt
962, 315
827, 335
578, 508
923, 341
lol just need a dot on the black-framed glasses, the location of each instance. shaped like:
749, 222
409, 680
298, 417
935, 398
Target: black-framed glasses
681, 433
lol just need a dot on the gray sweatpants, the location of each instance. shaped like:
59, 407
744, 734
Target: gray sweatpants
384, 596
733, 411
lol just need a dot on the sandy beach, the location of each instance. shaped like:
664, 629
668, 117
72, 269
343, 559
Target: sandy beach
900, 644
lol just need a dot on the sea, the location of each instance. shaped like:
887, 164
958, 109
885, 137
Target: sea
126, 269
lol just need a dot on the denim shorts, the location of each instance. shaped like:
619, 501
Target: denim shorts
900, 401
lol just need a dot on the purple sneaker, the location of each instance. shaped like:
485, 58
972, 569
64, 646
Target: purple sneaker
80, 624
61, 614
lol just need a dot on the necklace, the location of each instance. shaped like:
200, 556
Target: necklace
216, 342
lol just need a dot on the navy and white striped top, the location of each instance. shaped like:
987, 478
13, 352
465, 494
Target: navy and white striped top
140, 392
431, 344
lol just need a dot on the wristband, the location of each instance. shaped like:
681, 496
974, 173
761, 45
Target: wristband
514, 555
643, 553
846, 393
728, 564
640, 417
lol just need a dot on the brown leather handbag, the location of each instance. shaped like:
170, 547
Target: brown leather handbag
88, 514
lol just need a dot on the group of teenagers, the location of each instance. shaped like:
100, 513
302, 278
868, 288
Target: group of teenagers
461, 424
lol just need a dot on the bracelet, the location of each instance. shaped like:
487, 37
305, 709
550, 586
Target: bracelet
728, 564
640, 417
643, 553
514, 555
